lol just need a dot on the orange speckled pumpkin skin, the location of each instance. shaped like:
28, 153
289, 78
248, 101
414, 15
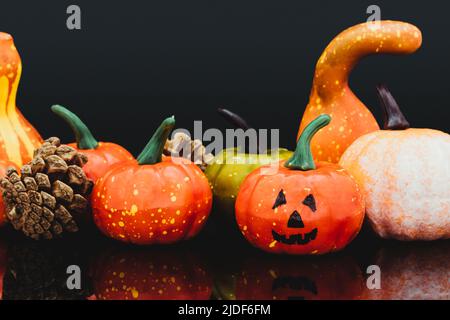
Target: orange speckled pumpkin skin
102, 158
148, 204
331, 93
338, 216
4, 165
18, 138
151, 275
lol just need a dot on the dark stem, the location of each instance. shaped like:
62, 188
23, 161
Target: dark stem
237, 121
302, 158
153, 151
393, 116
233, 118
85, 139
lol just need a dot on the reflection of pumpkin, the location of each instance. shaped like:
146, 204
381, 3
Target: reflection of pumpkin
413, 272
151, 275
404, 175
300, 208
4, 165
321, 278
18, 138
330, 91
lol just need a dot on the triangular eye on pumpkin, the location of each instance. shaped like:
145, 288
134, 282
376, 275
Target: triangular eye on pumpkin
280, 200
310, 202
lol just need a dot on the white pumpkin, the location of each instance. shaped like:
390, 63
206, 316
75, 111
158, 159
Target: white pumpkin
404, 175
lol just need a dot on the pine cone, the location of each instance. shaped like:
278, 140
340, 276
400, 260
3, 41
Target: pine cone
50, 192
183, 146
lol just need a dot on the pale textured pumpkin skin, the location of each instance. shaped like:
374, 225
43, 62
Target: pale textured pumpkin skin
405, 178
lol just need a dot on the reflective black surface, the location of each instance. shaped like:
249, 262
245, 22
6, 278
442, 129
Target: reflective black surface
218, 264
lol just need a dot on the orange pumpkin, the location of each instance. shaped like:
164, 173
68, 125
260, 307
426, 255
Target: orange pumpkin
404, 174
4, 165
18, 138
101, 155
331, 93
152, 200
303, 208
131, 274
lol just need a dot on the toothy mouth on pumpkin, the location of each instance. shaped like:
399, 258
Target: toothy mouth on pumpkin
299, 238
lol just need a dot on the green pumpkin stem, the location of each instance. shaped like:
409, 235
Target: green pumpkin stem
85, 139
302, 158
393, 116
153, 151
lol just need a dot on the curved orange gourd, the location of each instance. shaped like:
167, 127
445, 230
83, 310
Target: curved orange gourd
18, 138
331, 93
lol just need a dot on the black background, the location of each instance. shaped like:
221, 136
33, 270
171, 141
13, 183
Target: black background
136, 62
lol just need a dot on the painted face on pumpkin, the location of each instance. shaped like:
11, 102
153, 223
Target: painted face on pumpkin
295, 222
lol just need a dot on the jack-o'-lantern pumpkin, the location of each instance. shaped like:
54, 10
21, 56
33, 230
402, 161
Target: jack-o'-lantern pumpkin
331, 93
300, 207
18, 138
404, 174
333, 277
151, 274
412, 271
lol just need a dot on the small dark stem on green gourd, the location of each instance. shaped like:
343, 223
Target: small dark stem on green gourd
393, 116
85, 139
302, 158
237, 121
153, 151
233, 118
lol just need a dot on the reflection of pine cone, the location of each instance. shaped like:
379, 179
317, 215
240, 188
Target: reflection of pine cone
50, 192
182, 146
37, 271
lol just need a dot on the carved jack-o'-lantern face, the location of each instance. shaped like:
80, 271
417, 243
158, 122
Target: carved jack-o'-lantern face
303, 207
295, 221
